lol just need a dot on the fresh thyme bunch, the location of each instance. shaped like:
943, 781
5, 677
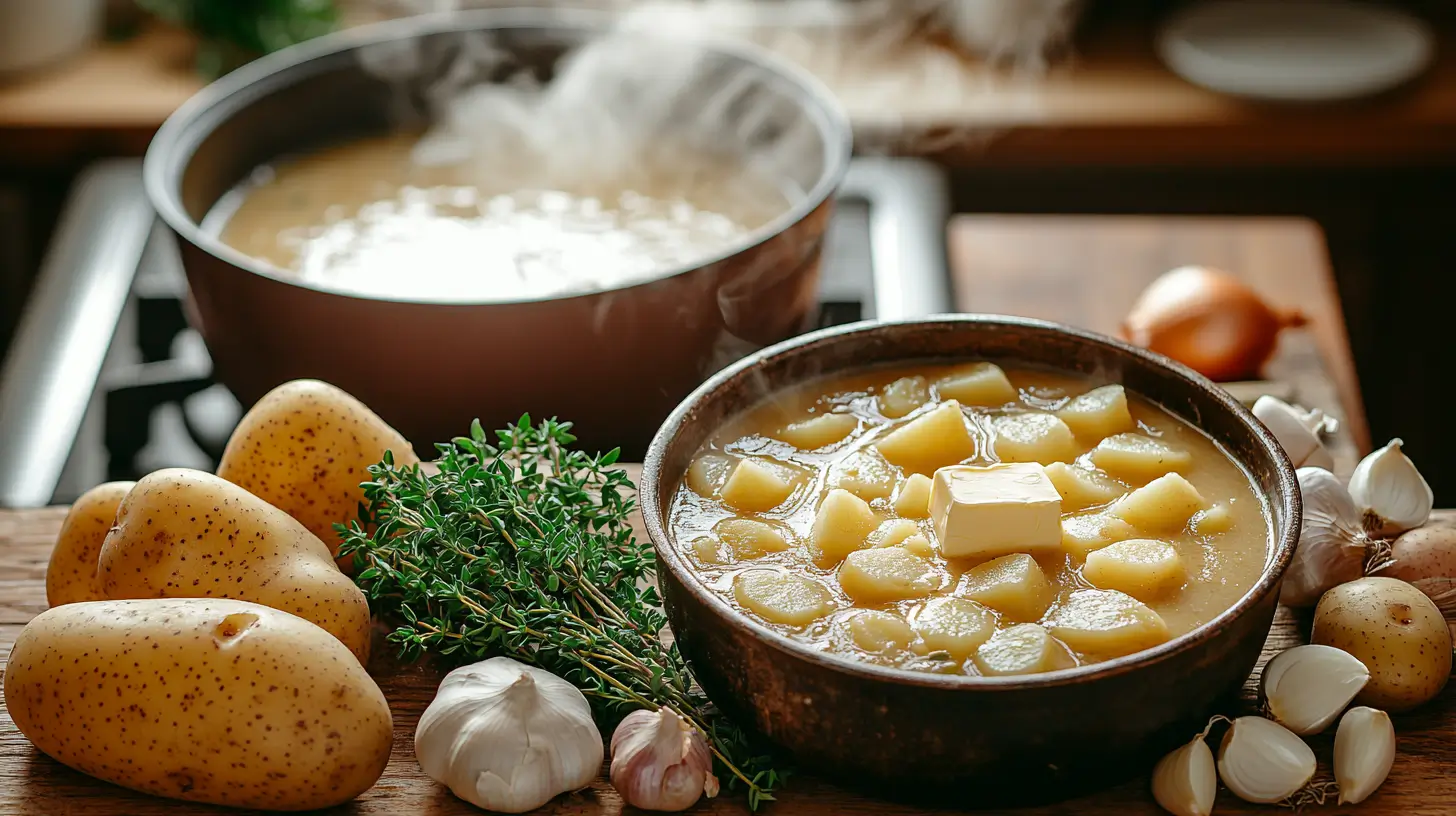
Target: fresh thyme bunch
522, 548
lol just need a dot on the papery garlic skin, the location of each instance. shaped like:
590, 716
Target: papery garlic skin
1186, 780
508, 737
661, 762
1364, 753
1297, 431
1305, 688
1261, 761
1332, 543
1391, 492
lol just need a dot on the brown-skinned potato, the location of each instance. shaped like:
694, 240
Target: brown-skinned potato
71, 575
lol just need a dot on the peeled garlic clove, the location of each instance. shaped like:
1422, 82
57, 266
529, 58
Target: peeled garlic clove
1391, 492
1296, 430
1332, 546
1364, 752
661, 762
1261, 761
1185, 781
1305, 688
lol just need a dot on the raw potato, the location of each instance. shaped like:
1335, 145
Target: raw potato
779, 597
1082, 488
865, 474
71, 575
756, 487
914, 499
818, 432
1138, 459
1013, 585
1022, 649
1144, 568
934, 440
187, 534
1216, 520
1426, 558
304, 448
880, 632
903, 396
893, 532
842, 525
1093, 531
886, 574
748, 538
1396, 631
1106, 623
978, 384
207, 700
708, 472
954, 625
1165, 503
1098, 413
1033, 437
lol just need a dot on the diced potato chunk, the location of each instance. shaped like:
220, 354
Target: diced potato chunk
1107, 623
755, 487
954, 625
886, 574
748, 538
918, 545
977, 384
779, 597
1033, 437
1138, 459
708, 472
892, 532
818, 432
880, 632
1082, 488
1093, 531
1022, 649
710, 550
903, 396
842, 525
1215, 520
938, 438
1144, 568
1098, 413
865, 474
1013, 585
1165, 503
914, 498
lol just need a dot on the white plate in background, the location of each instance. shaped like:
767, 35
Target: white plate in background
1296, 50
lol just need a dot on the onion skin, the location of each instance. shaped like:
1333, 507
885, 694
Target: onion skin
1209, 321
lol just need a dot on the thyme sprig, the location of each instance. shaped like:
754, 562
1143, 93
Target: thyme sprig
522, 548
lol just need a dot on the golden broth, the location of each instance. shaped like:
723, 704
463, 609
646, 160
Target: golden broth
1217, 567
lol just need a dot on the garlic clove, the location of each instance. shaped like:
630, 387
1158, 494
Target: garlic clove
1390, 492
1305, 688
1296, 430
1261, 761
1332, 545
661, 762
1364, 752
1186, 781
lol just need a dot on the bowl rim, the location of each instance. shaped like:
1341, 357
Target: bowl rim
175, 143
1286, 497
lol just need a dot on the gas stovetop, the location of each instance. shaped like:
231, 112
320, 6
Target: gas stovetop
105, 379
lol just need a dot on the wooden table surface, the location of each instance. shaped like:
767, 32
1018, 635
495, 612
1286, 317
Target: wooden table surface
995, 272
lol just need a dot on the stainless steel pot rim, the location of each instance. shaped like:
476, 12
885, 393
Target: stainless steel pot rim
176, 141
1281, 552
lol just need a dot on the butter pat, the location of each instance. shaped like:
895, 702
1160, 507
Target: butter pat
982, 512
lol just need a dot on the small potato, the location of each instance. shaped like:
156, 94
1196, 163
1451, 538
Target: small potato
885, 575
918, 545
71, 574
756, 487
203, 699
1165, 503
1092, 531
1215, 520
893, 532
842, 525
305, 448
1013, 585
749, 538
977, 384
1022, 649
1082, 488
1033, 437
1144, 568
708, 472
818, 432
954, 625
1098, 413
779, 597
1396, 631
903, 396
1106, 623
1138, 459
865, 474
1426, 558
933, 440
913, 502
880, 632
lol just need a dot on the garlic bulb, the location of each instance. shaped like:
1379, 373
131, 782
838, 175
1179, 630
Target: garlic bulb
1332, 545
1305, 688
661, 762
1364, 752
1297, 430
1185, 781
1391, 493
508, 737
1261, 761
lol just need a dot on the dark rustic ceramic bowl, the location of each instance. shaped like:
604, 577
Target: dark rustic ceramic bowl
975, 741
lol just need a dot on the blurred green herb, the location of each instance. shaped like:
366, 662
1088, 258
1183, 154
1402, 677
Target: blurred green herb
232, 32
522, 548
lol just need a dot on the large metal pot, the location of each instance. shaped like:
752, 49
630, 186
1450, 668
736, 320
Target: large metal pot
614, 362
